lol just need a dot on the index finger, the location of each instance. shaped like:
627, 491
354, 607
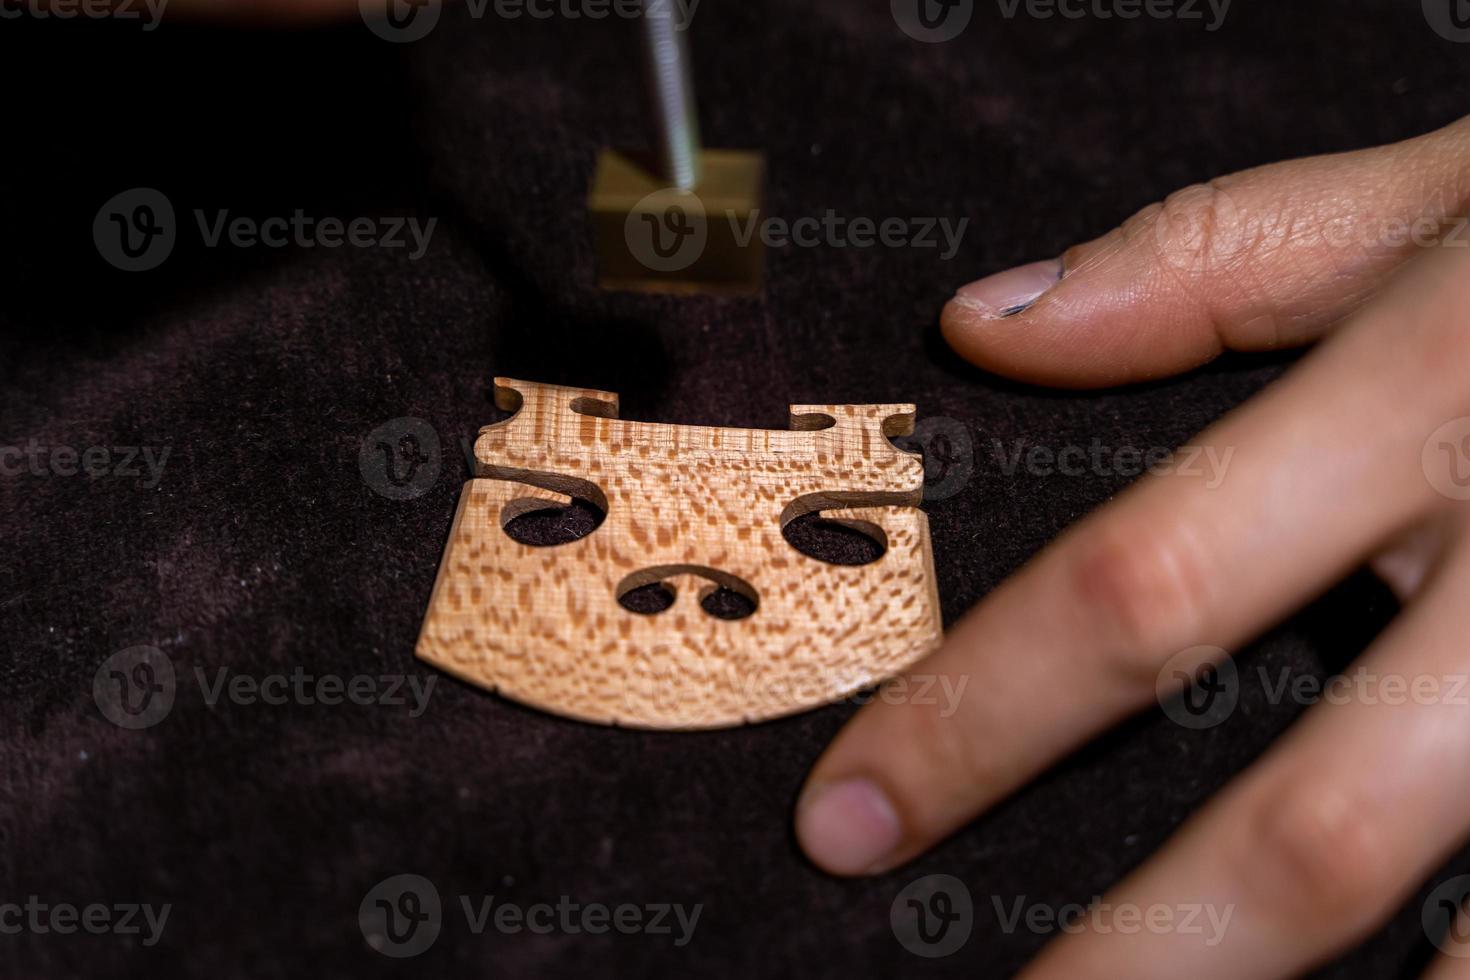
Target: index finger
1075, 641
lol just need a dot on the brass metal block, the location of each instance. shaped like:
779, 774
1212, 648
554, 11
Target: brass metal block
653, 237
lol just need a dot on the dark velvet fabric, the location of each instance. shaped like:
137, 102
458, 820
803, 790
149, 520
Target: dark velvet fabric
264, 549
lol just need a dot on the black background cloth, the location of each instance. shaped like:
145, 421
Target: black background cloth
264, 549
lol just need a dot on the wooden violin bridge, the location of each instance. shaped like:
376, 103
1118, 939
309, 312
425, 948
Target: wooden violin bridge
699, 513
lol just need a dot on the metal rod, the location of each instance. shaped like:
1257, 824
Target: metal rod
671, 90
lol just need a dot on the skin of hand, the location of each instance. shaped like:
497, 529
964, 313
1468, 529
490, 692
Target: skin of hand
1360, 454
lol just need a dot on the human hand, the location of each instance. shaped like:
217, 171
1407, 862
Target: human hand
1360, 454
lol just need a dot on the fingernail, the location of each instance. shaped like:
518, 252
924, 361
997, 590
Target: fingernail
848, 828
1009, 292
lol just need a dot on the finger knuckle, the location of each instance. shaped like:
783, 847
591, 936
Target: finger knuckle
1444, 319
1315, 858
966, 760
1143, 592
1199, 228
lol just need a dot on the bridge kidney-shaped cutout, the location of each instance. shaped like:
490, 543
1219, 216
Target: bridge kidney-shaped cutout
649, 591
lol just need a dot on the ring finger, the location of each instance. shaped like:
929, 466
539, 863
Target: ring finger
1322, 839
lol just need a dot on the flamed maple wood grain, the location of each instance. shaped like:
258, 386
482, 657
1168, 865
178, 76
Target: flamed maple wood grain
695, 507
